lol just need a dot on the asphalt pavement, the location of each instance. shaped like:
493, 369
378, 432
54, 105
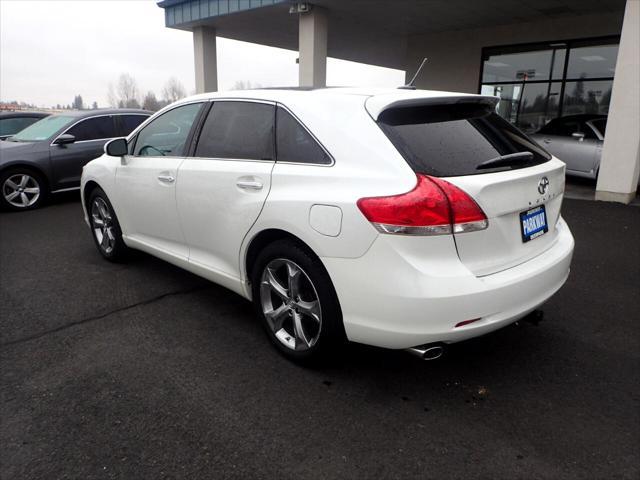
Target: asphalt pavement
143, 370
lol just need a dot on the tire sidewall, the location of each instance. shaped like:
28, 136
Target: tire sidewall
332, 336
120, 250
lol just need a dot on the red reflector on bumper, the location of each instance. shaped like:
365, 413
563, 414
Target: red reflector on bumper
466, 322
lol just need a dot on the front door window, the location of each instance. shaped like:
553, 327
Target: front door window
166, 136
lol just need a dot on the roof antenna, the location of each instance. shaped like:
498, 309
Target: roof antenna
411, 85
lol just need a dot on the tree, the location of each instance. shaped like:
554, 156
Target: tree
94, 105
244, 85
125, 93
173, 90
78, 103
150, 102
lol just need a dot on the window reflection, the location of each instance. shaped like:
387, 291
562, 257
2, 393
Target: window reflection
526, 66
592, 62
528, 106
587, 97
534, 88
539, 104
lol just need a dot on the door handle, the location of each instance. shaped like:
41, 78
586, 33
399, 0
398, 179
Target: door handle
249, 184
166, 178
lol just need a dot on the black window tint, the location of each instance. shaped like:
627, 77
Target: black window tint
601, 125
94, 129
453, 140
128, 123
554, 127
294, 144
9, 126
167, 134
237, 130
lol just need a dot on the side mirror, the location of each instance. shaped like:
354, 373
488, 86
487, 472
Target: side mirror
64, 139
578, 136
116, 147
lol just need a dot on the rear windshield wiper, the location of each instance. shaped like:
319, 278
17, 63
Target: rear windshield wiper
513, 159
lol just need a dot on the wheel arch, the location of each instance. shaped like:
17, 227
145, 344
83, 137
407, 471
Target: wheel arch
267, 237
89, 187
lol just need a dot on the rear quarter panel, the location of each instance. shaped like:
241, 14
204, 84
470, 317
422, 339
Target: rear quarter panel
365, 164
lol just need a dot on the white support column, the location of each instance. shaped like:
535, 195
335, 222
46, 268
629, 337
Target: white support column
205, 60
313, 26
620, 164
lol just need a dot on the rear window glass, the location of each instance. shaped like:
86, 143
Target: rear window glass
454, 140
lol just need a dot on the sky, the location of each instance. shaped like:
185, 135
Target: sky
52, 50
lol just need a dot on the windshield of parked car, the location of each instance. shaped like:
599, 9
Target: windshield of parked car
43, 129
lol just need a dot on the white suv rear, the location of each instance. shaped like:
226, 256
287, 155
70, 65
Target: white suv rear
387, 217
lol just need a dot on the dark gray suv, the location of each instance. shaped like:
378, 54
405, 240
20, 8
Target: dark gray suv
48, 156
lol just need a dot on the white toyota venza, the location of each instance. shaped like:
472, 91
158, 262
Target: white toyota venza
404, 219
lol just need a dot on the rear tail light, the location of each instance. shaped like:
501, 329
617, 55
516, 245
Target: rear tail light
433, 207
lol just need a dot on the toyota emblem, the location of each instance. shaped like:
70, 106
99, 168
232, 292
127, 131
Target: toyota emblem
543, 185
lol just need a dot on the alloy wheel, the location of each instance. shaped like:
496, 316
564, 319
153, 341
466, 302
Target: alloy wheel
290, 304
21, 190
103, 225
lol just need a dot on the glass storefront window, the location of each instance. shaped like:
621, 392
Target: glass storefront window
536, 85
527, 106
539, 103
526, 66
587, 97
509, 96
592, 62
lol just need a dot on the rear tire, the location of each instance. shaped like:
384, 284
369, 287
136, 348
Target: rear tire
297, 304
22, 189
105, 228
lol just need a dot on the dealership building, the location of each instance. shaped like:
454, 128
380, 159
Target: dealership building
543, 58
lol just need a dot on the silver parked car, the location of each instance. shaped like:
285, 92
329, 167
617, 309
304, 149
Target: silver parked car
577, 141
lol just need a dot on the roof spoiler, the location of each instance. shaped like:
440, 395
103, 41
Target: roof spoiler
377, 104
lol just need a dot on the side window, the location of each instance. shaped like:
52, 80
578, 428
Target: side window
294, 144
600, 124
128, 123
94, 129
167, 134
587, 130
241, 130
560, 126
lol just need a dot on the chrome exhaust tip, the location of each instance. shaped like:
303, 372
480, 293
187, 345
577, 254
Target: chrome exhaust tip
427, 352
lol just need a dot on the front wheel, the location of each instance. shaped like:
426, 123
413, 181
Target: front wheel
105, 228
294, 296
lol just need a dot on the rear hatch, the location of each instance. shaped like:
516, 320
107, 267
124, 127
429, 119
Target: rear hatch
461, 140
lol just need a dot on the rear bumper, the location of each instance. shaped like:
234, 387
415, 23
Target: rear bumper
399, 294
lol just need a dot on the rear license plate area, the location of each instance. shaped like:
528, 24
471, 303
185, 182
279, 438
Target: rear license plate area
533, 223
